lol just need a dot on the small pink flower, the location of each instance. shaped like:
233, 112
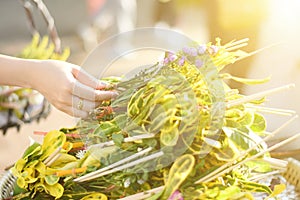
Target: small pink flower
201, 49
191, 51
214, 49
176, 196
181, 61
198, 63
166, 61
172, 57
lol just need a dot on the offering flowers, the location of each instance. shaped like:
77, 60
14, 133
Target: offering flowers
176, 131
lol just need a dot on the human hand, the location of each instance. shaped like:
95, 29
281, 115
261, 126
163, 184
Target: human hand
68, 87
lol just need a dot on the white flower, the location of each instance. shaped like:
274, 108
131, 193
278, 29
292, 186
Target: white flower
127, 183
80, 154
141, 181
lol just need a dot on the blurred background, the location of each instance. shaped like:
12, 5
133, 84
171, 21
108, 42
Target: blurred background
82, 24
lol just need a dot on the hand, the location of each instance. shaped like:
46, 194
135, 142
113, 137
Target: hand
68, 87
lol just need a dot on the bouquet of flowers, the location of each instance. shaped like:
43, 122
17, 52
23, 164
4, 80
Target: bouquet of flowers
176, 131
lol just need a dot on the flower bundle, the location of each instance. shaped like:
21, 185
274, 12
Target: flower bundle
176, 131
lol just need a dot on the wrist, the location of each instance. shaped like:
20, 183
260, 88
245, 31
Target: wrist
26, 72
31, 73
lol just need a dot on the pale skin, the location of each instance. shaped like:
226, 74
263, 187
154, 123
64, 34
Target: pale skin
63, 84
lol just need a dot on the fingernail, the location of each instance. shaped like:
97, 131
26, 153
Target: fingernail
101, 86
114, 94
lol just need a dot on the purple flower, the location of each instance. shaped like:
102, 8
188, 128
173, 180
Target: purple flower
191, 51
166, 61
198, 63
181, 61
201, 49
186, 50
172, 57
214, 48
176, 196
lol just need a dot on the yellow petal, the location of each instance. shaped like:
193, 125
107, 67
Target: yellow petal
98, 196
52, 141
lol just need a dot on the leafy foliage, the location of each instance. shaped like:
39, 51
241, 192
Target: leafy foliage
172, 114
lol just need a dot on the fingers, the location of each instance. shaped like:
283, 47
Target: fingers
83, 104
79, 113
105, 95
73, 111
87, 79
88, 93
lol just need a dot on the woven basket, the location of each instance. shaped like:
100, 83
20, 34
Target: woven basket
292, 174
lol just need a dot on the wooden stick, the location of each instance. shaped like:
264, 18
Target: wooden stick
53, 160
128, 139
274, 162
50, 24
237, 47
233, 43
286, 153
255, 52
125, 160
52, 155
280, 128
272, 110
143, 195
258, 95
261, 176
119, 168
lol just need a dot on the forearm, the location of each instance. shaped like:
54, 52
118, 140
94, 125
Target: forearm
16, 71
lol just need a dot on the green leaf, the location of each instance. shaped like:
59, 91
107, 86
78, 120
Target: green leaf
31, 150
240, 140
179, 171
247, 119
155, 196
228, 193
227, 152
120, 120
106, 128
51, 179
63, 160
278, 189
96, 195
22, 183
259, 166
259, 101
94, 155
169, 136
20, 164
259, 123
245, 80
56, 190
52, 141
117, 138
254, 187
